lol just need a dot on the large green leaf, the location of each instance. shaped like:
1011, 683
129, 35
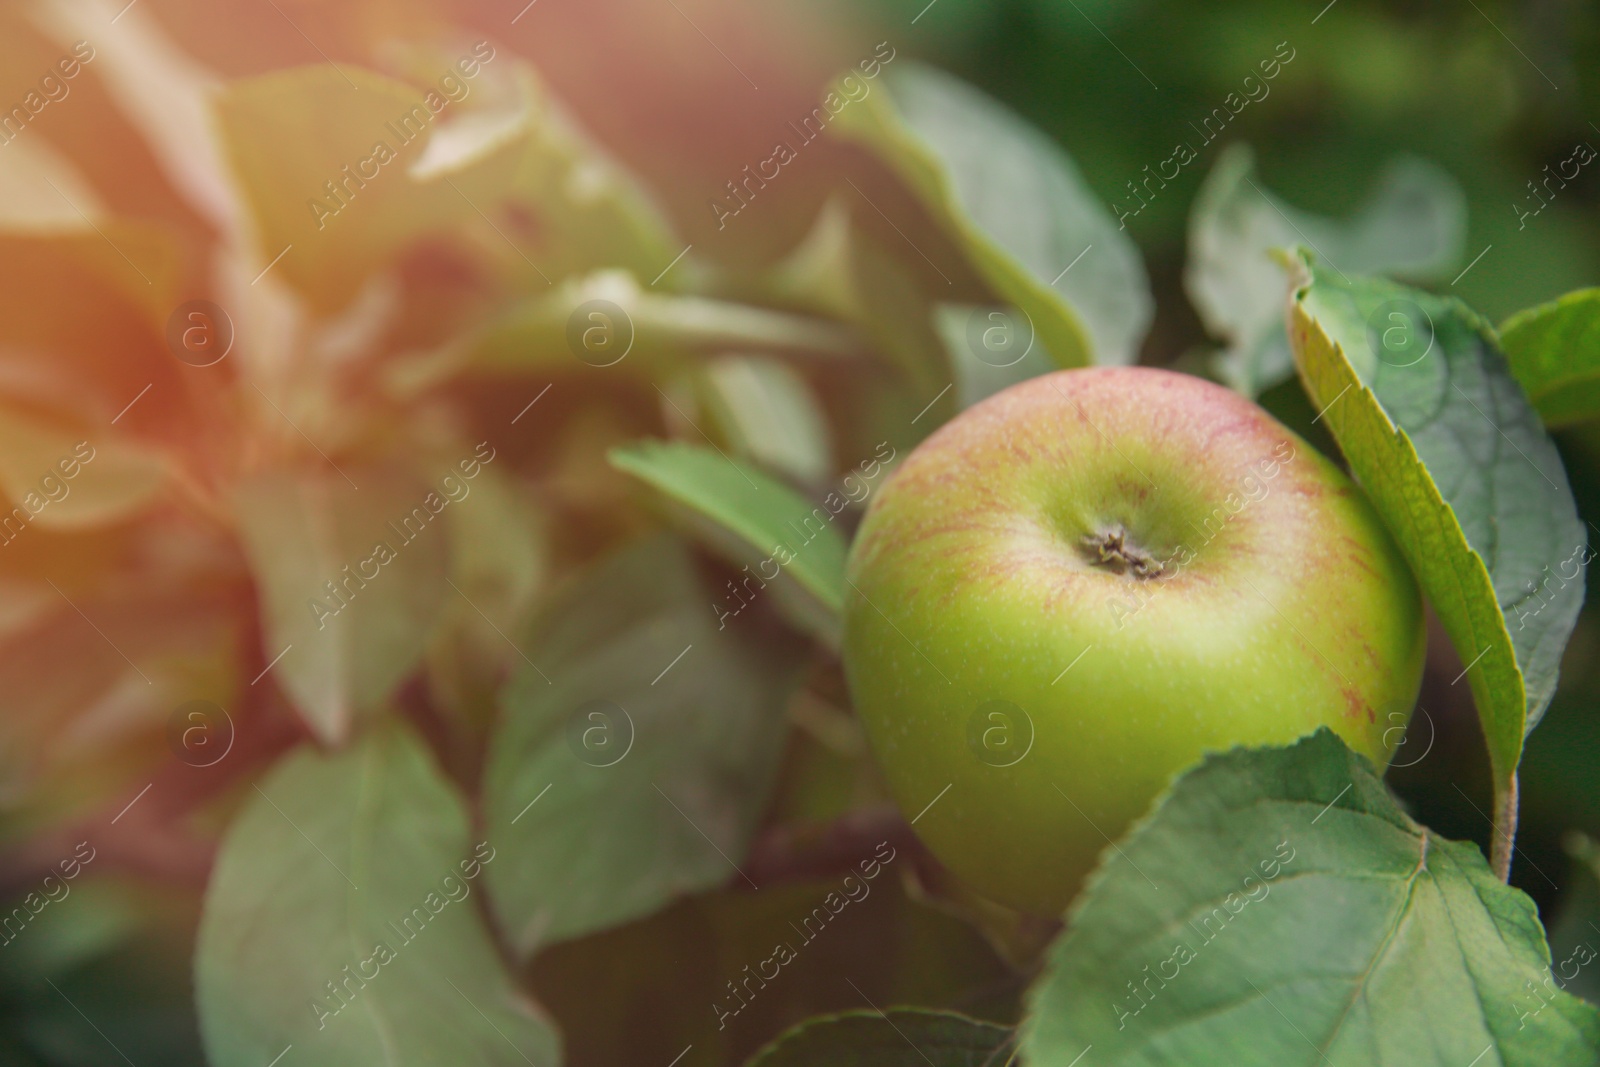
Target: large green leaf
339, 920
1278, 908
1015, 203
1412, 224
351, 576
752, 519
900, 1037
636, 750
1554, 350
1417, 393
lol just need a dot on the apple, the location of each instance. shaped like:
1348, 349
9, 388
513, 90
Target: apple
1074, 589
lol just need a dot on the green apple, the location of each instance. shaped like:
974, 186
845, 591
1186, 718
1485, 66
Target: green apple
1074, 589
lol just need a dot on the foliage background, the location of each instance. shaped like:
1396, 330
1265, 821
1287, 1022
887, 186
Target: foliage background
1467, 86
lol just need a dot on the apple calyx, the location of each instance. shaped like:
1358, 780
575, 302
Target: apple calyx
1111, 548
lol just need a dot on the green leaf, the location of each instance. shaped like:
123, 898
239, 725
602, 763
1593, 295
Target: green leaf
1015, 203
1416, 392
1278, 908
899, 1037
1412, 223
332, 857
769, 414
1554, 350
636, 751
607, 322
841, 272
345, 646
990, 349
752, 519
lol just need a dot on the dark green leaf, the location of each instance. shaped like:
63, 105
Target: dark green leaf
1015, 203
1554, 350
900, 1037
752, 519
350, 580
1418, 396
359, 860
1278, 908
632, 763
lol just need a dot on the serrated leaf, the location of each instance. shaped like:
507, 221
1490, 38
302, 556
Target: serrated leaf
604, 812
752, 519
899, 1037
1278, 908
1015, 203
1415, 390
1554, 350
333, 856
990, 349
350, 581
1412, 223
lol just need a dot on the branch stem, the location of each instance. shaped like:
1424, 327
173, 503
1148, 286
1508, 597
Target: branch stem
1505, 828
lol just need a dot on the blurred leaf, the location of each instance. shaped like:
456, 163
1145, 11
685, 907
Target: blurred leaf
331, 161
1554, 350
350, 582
750, 518
657, 736
337, 920
768, 413
1575, 933
1226, 951
606, 320
112, 479
990, 349
161, 90
1418, 396
495, 551
1412, 223
1014, 201
592, 213
900, 1037
839, 271
41, 190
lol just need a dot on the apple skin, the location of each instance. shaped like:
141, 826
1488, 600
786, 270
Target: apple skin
989, 650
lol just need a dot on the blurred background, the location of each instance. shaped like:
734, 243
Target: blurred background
684, 94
